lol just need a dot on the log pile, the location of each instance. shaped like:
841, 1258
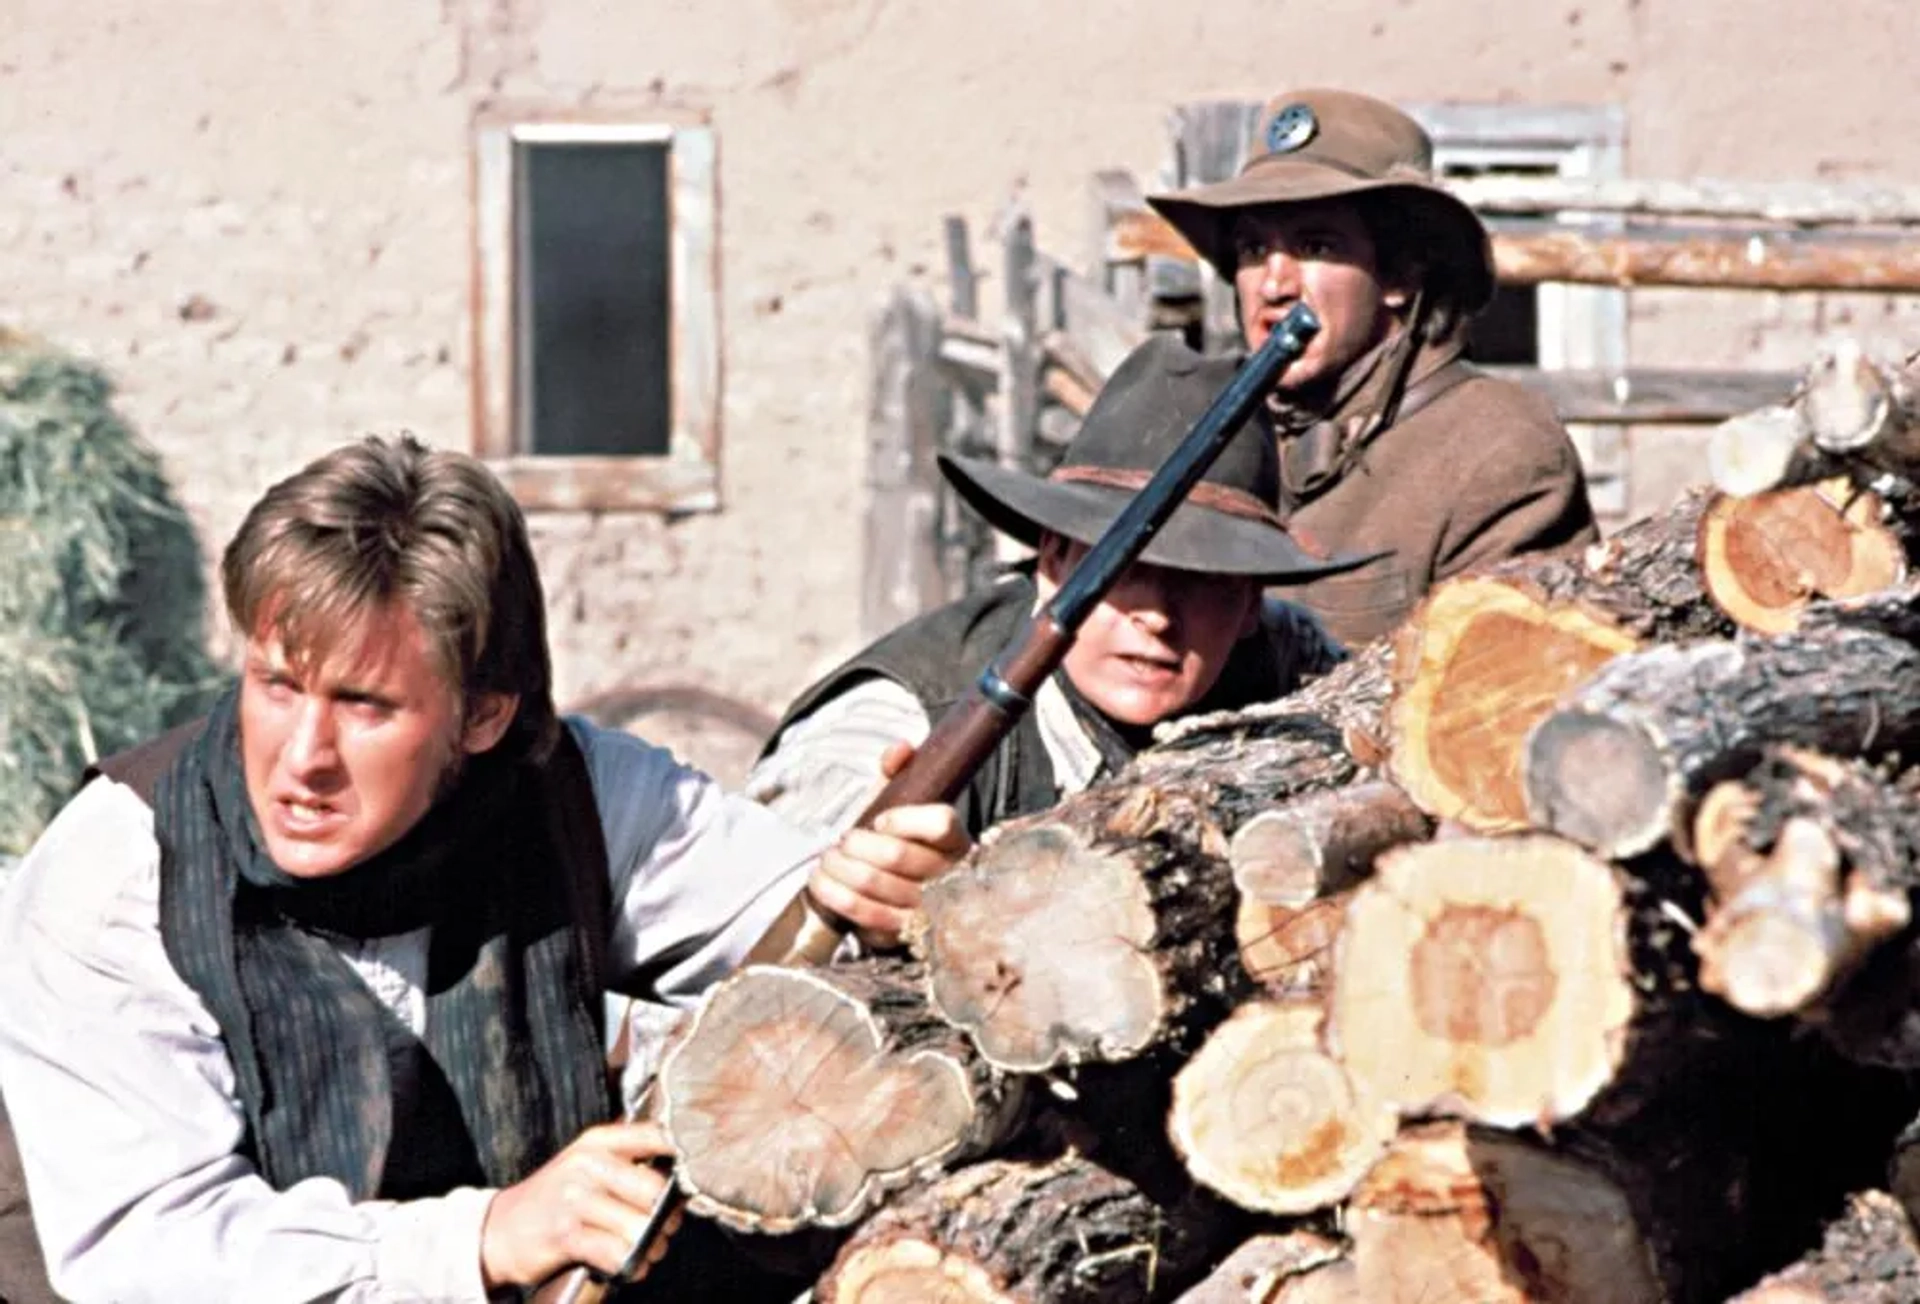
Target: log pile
1560, 947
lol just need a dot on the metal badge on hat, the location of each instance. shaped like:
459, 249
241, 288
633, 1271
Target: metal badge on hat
1291, 128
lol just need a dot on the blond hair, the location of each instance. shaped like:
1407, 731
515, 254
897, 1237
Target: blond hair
389, 520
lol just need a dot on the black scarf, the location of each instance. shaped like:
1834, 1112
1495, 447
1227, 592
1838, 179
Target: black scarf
513, 1024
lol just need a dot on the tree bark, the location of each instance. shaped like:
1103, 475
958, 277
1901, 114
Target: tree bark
1267, 1117
1620, 764
1002, 1232
1867, 1256
1261, 1266
798, 1098
1811, 861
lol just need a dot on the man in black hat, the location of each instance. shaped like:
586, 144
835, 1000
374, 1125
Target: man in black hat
1182, 631
1390, 444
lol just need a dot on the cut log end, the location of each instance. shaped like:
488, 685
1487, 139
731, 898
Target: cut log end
1754, 451
1601, 782
1481, 661
1266, 1117
1041, 951
908, 1270
1289, 949
1765, 559
1485, 977
1453, 1214
787, 1111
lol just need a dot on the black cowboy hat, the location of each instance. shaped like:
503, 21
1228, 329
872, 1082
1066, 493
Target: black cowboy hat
1226, 526
1328, 144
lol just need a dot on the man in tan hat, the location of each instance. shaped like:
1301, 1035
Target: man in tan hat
1389, 442
1181, 631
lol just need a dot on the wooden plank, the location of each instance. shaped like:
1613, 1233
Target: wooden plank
1808, 203
1020, 345
962, 281
1653, 396
901, 572
1721, 260
1100, 328
1110, 192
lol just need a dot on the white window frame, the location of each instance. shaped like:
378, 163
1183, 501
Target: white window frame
686, 478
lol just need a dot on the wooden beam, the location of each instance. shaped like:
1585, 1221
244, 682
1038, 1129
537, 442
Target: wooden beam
1653, 395
1804, 203
1722, 259
1726, 260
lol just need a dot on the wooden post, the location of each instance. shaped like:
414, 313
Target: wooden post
1019, 357
902, 574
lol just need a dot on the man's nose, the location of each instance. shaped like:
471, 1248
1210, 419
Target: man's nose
311, 747
1280, 275
1148, 602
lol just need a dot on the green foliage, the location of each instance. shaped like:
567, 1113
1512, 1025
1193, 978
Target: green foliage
102, 594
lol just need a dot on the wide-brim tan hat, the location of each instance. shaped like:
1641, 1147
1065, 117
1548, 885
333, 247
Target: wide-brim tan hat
1327, 144
1226, 526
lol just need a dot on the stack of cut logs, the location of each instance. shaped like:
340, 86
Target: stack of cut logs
1560, 948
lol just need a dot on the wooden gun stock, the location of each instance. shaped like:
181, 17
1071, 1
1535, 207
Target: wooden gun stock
966, 735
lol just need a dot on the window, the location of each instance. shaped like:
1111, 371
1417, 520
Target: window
596, 311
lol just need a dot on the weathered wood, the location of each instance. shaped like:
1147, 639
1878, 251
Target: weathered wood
1489, 978
1868, 1255
1767, 557
901, 566
1619, 765
1713, 259
798, 1098
1811, 861
1476, 665
1652, 395
1758, 260
1798, 202
1265, 1116
1007, 1232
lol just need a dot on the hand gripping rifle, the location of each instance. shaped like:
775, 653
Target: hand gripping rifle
972, 727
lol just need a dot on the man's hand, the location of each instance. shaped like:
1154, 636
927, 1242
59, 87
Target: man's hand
872, 878
586, 1206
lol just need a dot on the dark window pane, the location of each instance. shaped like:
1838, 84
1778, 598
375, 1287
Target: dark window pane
592, 298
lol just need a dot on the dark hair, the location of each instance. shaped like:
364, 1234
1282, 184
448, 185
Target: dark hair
1404, 256
387, 520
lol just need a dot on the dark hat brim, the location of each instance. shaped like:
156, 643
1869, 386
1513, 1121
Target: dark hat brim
1194, 538
1203, 215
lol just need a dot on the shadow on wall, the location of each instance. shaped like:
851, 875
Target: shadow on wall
102, 595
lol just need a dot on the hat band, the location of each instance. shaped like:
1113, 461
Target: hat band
1207, 494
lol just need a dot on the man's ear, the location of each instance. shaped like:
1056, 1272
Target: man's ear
489, 717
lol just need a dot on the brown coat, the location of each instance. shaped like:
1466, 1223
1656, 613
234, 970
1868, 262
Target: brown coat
1483, 472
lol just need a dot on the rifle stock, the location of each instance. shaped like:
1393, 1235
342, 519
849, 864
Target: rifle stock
972, 727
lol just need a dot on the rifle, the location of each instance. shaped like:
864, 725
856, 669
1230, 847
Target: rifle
972, 727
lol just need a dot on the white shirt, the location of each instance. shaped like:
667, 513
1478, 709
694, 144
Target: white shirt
123, 1098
